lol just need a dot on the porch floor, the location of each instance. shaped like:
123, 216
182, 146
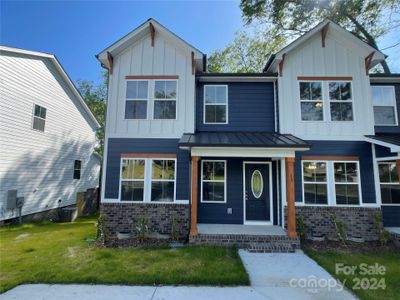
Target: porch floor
266, 230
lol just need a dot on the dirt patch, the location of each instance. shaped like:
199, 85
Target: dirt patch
327, 245
22, 236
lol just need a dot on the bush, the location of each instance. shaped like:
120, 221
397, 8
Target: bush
300, 228
142, 229
383, 234
174, 228
340, 228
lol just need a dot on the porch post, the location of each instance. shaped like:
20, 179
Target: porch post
398, 168
291, 214
195, 188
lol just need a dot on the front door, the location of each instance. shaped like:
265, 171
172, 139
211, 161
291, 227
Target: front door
257, 193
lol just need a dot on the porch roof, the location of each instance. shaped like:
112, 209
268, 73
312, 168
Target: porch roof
391, 141
242, 139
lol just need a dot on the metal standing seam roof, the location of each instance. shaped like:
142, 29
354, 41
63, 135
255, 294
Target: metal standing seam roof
241, 139
390, 138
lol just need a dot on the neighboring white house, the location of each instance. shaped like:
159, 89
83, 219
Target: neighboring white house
47, 134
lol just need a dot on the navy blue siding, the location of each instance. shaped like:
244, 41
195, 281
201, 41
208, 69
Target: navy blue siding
250, 106
116, 146
391, 215
390, 129
216, 213
381, 151
341, 148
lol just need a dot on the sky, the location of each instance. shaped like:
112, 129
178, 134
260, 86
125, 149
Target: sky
75, 31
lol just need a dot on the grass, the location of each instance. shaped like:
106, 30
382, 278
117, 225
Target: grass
389, 259
65, 253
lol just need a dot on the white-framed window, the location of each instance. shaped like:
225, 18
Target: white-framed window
311, 104
77, 169
341, 103
384, 102
315, 182
347, 183
331, 183
165, 92
215, 104
148, 179
213, 181
39, 117
137, 98
389, 183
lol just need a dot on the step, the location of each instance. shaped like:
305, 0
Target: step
272, 248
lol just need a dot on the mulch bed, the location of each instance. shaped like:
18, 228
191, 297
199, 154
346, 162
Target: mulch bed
328, 245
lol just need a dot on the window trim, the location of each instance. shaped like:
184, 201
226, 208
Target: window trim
154, 99
394, 105
387, 183
147, 180
224, 181
331, 189
33, 118
347, 183
139, 99
162, 180
339, 101
312, 101
226, 105
320, 182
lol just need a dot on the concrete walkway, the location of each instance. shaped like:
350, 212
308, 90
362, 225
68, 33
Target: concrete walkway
273, 276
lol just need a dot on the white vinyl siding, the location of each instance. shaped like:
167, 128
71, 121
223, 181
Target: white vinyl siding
40, 165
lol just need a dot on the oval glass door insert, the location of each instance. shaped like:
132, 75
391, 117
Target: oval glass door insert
257, 184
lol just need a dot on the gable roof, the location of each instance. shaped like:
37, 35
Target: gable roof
274, 60
141, 31
61, 71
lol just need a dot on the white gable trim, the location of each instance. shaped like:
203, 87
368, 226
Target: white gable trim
393, 148
63, 74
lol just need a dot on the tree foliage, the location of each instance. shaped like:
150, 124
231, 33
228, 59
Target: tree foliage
95, 97
364, 18
246, 53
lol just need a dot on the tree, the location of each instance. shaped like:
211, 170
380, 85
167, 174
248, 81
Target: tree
246, 53
295, 17
95, 97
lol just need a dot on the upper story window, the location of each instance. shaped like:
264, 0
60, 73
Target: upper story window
384, 101
311, 101
389, 182
39, 117
165, 99
77, 169
341, 105
215, 104
136, 99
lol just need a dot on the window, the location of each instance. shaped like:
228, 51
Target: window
389, 182
77, 169
165, 99
39, 117
213, 182
384, 101
215, 104
163, 180
346, 183
341, 105
315, 183
136, 99
331, 182
311, 101
132, 179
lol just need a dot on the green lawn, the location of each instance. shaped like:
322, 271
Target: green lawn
65, 253
389, 259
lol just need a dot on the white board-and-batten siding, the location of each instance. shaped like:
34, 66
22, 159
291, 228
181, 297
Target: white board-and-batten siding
340, 57
166, 58
39, 164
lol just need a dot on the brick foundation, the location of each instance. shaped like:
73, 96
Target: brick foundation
359, 221
122, 217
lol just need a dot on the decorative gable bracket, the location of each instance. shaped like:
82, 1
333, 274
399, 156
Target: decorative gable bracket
152, 33
324, 31
110, 62
368, 60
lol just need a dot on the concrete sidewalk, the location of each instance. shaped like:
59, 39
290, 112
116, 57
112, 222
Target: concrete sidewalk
273, 276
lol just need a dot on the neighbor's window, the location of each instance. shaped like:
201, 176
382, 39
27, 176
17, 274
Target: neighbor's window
77, 169
39, 117
136, 99
132, 179
384, 101
215, 104
341, 104
389, 182
311, 101
163, 180
165, 99
213, 181
346, 183
315, 185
